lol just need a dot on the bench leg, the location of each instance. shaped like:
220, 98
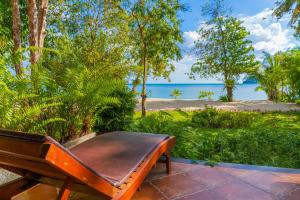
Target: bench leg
65, 191
168, 162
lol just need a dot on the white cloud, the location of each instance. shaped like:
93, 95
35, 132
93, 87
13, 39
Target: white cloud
269, 34
190, 37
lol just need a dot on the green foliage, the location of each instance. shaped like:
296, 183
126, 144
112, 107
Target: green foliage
176, 93
85, 82
156, 123
290, 62
272, 77
21, 108
117, 116
211, 118
223, 98
81, 73
279, 76
206, 95
270, 139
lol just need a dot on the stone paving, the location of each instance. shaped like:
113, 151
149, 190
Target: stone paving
237, 182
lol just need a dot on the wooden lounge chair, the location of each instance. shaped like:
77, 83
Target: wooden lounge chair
112, 165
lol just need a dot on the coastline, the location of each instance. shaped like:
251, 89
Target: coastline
156, 104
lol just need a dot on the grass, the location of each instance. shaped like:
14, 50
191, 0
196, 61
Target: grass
271, 139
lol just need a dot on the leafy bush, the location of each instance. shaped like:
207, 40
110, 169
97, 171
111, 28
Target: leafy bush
117, 116
211, 118
176, 93
154, 123
223, 99
271, 139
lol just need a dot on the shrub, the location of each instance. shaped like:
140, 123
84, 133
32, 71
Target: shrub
117, 116
176, 93
206, 95
153, 123
223, 99
211, 118
272, 139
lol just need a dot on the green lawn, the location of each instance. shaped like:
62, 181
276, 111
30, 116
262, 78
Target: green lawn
252, 138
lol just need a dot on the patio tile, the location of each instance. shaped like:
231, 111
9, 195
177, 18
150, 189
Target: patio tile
160, 170
177, 186
197, 182
234, 171
295, 195
39, 191
270, 182
209, 176
290, 177
238, 190
148, 192
205, 195
81, 196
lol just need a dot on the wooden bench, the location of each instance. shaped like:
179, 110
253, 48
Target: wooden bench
112, 165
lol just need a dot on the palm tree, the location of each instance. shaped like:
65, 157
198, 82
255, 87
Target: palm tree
271, 77
176, 93
292, 7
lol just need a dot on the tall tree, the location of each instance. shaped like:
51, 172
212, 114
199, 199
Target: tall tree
289, 7
223, 50
37, 13
155, 29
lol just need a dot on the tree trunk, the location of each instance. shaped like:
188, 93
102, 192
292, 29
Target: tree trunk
144, 94
33, 34
16, 29
229, 93
86, 125
42, 14
37, 27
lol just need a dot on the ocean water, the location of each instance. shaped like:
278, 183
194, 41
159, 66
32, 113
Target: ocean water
191, 91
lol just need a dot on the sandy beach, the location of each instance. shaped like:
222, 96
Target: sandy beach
153, 104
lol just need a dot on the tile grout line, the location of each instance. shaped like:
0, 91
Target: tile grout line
261, 189
240, 179
169, 175
158, 190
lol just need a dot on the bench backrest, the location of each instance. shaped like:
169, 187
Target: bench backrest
43, 156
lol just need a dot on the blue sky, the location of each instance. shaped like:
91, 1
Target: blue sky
266, 33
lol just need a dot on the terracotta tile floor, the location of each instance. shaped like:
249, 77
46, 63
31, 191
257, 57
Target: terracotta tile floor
224, 182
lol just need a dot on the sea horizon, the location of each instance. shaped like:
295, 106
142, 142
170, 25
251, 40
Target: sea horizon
242, 91
193, 84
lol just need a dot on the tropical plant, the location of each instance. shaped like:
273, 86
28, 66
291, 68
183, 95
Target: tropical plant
223, 98
21, 107
176, 93
211, 118
116, 117
272, 77
206, 95
223, 48
242, 137
289, 7
290, 62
